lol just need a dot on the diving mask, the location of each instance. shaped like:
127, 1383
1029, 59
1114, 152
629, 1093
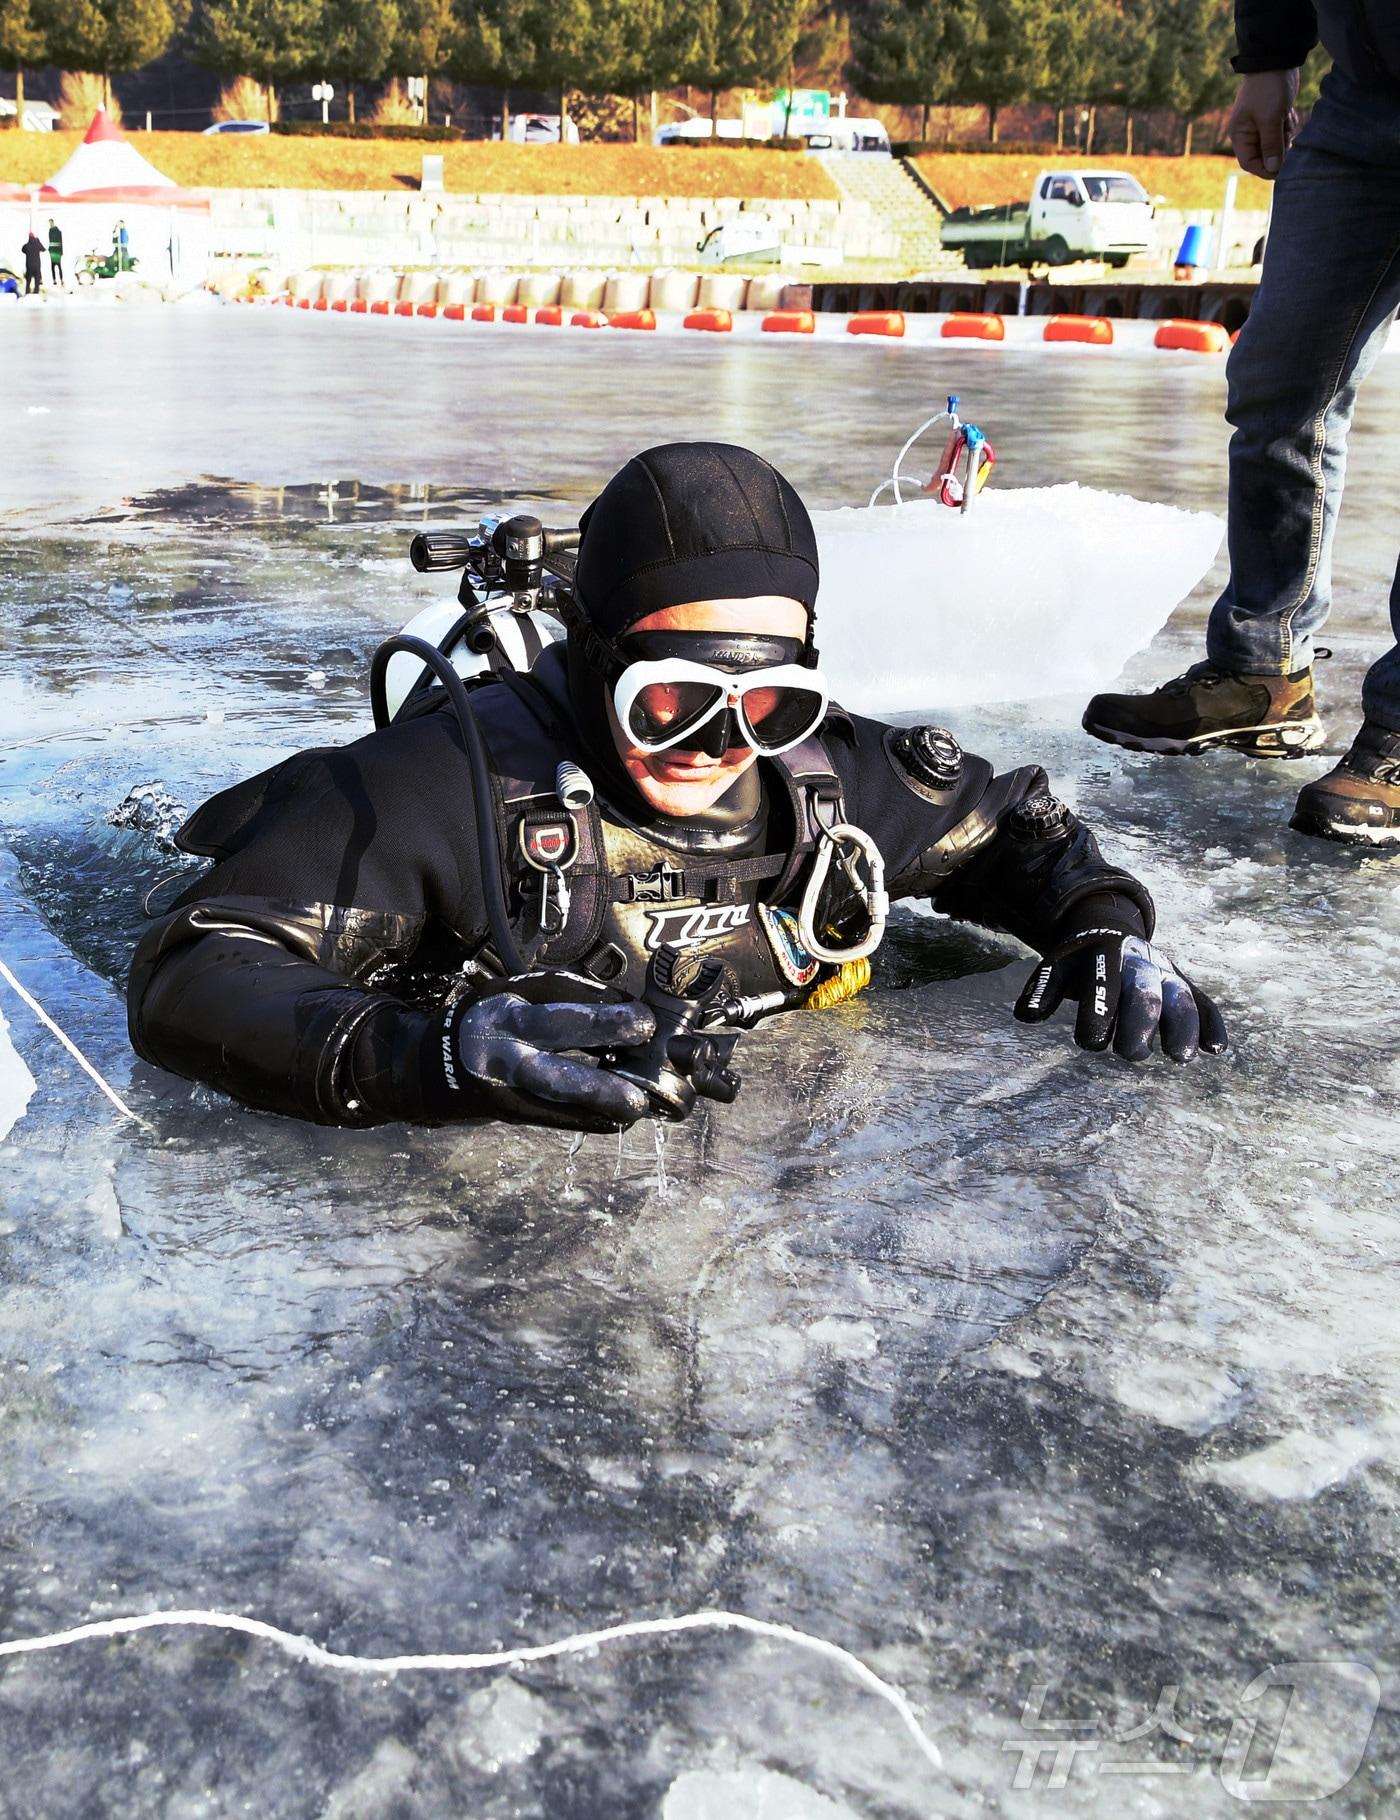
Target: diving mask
712, 691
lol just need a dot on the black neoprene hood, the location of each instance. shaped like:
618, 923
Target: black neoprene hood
692, 521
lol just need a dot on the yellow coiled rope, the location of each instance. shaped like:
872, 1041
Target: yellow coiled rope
849, 979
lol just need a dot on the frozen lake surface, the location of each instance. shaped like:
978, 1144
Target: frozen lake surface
1040, 1384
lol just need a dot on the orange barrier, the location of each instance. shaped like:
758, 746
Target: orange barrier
717, 321
403, 308
359, 306
454, 312
550, 316
633, 319
1096, 330
426, 309
483, 312
380, 307
340, 304
965, 325
789, 322
303, 303
876, 322
515, 312
1193, 337
588, 319
321, 303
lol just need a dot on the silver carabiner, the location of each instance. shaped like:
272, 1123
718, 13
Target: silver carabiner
845, 842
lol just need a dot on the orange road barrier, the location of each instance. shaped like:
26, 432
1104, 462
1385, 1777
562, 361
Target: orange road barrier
876, 322
359, 306
1097, 331
321, 303
404, 308
588, 319
303, 303
426, 309
789, 322
966, 325
340, 304
483, 312
515, 312
717, 321
632, 319
550, 316
380, 307
454, 312
1193, 337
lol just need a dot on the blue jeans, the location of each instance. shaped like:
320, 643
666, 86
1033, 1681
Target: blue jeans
1329, 292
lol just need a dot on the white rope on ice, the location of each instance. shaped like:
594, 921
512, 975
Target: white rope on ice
304, 1649
74, 1050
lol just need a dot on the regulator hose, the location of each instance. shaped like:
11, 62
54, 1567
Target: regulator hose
487, 839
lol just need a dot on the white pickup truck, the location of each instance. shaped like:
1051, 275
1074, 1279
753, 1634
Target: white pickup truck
1071, 215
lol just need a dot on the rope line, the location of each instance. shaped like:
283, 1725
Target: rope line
305, 1649
74, 1051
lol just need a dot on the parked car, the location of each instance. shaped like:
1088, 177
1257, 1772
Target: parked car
540, 129
1071, 215
238, 126
851, 134
39, 117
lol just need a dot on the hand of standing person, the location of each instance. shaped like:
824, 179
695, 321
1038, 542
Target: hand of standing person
1264, 120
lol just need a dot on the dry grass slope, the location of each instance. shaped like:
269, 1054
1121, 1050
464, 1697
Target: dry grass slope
973, 180
272, 162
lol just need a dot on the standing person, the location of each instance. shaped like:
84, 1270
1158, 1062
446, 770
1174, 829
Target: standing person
55, 252
121, 246
1327, 297
33, 264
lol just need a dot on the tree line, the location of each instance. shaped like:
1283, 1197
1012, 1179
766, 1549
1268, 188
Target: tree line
1139, 55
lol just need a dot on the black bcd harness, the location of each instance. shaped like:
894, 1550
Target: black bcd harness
591, 892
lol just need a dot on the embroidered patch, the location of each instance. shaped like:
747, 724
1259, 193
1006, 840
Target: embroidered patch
689, 926
794, 963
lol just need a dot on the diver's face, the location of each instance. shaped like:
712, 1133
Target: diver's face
677, 782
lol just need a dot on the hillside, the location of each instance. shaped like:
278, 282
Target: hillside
975, 179
475, 168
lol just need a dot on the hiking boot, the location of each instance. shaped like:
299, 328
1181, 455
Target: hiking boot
1266, 716
1358, 801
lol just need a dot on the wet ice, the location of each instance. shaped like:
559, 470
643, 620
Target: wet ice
997, 1364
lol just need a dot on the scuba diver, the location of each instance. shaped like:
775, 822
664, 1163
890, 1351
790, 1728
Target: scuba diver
536, 897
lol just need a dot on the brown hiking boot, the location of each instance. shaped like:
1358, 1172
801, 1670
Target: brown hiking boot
1265, 716
1358, 801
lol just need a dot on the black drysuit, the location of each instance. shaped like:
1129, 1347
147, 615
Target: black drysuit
1363, 37
309, 971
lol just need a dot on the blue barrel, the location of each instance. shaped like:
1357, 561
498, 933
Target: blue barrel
1193, 248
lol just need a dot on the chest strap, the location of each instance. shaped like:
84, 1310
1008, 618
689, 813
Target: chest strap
712, 883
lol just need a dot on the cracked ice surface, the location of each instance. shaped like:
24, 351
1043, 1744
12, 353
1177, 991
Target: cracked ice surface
997, 1364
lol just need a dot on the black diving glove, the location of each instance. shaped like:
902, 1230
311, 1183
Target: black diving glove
1128, 992
505, 1052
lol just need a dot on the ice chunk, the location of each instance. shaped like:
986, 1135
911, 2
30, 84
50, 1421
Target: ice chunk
151, 810
16, 1083
762, 1793
1035, 591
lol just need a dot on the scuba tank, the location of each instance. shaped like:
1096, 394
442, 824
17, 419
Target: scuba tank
507, 611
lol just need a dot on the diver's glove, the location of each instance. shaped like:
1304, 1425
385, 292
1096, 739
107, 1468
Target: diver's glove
504, 1054
1128, 992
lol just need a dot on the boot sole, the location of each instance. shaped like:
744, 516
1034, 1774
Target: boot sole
1279, 739
1347, 834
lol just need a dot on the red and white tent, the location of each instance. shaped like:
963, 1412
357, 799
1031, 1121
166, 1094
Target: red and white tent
107, 167
104, 187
